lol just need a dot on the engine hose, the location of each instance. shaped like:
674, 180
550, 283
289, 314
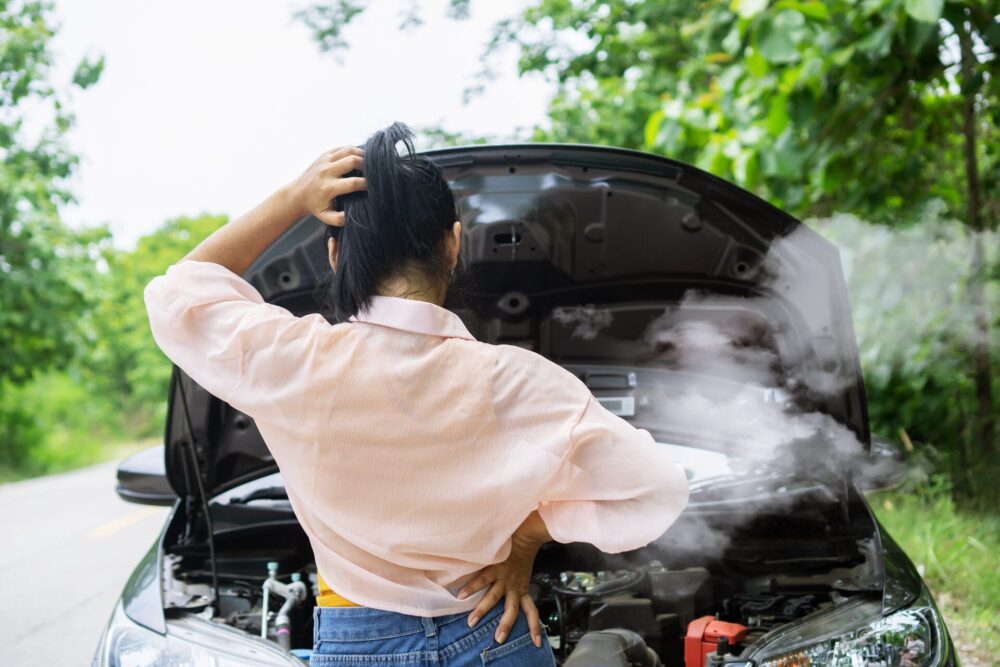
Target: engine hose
607, 588
283, 624
561, 619
283, 635
294, 593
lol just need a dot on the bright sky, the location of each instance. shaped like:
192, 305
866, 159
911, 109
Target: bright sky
208, 106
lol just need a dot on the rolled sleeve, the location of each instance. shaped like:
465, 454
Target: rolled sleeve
616, 489
217, 328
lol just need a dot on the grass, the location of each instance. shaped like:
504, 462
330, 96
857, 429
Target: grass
113, 451
957, 554
60, 421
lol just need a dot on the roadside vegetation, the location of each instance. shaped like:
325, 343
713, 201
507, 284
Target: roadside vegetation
956, 552
110, 391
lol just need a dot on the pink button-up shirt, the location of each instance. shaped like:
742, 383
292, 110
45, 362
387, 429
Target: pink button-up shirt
411, 451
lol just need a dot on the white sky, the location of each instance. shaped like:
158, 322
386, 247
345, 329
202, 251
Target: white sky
208, 106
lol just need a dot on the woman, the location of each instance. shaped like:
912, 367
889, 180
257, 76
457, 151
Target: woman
427, 468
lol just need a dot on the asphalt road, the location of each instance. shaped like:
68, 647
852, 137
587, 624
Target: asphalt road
69, 545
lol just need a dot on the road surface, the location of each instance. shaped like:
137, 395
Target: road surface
69, 546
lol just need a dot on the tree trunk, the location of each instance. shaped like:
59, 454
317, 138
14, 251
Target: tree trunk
984, 428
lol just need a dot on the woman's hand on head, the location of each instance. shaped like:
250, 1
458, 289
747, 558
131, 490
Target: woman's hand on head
315, 190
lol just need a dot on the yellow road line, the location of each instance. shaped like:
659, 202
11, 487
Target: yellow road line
122, 522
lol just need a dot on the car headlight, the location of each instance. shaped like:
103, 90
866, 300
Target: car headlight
858, 635
189, 642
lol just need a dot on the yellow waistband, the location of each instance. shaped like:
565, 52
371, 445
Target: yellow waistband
328, 598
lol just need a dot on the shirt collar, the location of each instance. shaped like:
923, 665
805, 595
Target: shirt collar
413, 315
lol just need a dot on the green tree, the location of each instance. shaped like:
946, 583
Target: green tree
114, 388
45, 267
43, 264
914, 335
328, 20
123, 357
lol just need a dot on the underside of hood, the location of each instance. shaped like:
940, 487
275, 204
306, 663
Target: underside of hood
576, 252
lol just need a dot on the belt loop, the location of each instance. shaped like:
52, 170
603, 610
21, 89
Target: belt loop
316, 621
430, 628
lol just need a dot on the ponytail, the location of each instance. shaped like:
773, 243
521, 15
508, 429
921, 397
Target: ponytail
397, 223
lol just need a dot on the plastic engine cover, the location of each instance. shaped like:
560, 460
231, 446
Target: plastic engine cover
703, 635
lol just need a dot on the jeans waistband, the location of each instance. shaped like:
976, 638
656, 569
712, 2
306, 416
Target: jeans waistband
365, 623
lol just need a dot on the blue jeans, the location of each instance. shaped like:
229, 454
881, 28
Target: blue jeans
373, 637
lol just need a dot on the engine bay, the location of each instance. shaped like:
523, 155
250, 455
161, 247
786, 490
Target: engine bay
680, 601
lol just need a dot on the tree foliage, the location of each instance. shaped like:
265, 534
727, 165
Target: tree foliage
789, 98
792, 99
47, 270
123, 356
328, 20
115, 385
45, 267
909, 290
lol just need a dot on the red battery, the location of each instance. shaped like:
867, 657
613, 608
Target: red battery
703, 635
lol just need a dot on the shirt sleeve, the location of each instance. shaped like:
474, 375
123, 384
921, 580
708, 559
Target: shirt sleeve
616, 488
217, 328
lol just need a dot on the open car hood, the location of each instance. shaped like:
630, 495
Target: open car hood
557, 238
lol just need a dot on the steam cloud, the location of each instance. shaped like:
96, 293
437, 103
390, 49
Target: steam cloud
731, 388
589, 320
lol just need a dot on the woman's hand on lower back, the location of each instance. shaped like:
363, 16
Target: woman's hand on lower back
509, 581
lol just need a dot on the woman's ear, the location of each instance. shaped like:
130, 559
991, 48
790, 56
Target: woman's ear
454, 243
331, 253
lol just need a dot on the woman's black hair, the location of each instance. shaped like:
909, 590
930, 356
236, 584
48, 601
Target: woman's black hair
398, 224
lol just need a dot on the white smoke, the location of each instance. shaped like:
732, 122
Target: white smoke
907, 290
737, 386
589, 320
910, 286
742, 395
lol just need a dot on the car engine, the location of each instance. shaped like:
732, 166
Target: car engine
673, 603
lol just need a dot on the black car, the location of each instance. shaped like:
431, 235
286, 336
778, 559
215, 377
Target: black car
692, 309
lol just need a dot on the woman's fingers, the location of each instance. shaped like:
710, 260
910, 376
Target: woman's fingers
510, 609
316, 188
343, 186
534, 623
332, 218
477, 583
487, 602
345, 164
342, 151
332, 184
